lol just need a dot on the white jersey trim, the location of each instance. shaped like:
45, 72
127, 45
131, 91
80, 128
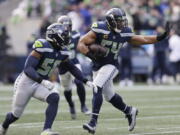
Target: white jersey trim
126, 34
65, 52
100, 31
76, 35
44, 49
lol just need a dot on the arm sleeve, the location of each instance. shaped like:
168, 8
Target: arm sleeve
127, 34
74, 70
29, 69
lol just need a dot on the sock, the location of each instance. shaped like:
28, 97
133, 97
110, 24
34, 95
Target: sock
97, 103
68, 96
51, 111
117, 102
81, 92
10, 118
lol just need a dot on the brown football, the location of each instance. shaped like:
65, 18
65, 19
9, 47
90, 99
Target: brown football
98, 50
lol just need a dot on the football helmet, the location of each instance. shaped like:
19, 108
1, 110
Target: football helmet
65, 20
58, 34
116, 19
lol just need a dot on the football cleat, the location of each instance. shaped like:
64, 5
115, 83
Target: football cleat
85, 110
2, 130
90, 127
73, 112
132, 118
49, 132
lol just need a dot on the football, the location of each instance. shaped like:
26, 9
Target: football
97, 50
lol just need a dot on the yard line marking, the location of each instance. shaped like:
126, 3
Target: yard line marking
157, 133
168, 128
115, 119
133, 88
41, 110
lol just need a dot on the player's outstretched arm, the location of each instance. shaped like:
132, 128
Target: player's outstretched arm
141, 40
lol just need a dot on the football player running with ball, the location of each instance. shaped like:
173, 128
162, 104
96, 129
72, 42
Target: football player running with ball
66, 77
111, 34
47, 54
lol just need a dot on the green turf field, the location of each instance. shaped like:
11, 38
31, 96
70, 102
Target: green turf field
159, 113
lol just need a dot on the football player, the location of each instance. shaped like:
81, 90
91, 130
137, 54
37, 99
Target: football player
66, 77
111, 34
46, 55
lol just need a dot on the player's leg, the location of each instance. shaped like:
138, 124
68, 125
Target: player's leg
81, 93
117, 101
52, 98
104, 74
23, 89
66, 81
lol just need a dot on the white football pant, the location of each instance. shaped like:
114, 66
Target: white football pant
103, 78
24, 89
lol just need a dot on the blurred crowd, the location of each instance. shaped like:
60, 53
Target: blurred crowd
144, 16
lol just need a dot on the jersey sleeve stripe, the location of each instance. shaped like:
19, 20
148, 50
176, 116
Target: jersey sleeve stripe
126, 34
44, 49
65, 53
76, 35
100, 31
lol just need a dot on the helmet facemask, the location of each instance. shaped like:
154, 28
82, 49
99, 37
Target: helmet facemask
59, 35
116, 19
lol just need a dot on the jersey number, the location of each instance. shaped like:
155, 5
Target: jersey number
112, 47
48, 66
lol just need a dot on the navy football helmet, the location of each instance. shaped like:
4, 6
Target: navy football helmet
58, 34
116, 19
65, 20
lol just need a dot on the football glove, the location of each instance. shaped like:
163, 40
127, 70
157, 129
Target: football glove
49, 85
166, 33
92, 86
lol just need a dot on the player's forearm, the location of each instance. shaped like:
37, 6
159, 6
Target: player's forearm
82, 48
149, 40
141, 40
29, 69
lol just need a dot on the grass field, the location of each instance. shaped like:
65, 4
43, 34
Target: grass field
159, 113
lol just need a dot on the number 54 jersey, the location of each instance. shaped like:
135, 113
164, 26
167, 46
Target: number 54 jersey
111, 41
51, 58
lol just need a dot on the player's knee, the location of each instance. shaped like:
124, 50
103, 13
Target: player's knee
53, 98
108, 97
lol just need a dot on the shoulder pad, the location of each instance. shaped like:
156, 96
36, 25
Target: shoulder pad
100, 27
42, 45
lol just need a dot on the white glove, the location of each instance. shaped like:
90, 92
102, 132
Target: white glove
92, 85
47, 84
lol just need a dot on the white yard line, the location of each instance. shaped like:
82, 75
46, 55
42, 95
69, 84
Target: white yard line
133, 88
157, 133
114, 119
41, 111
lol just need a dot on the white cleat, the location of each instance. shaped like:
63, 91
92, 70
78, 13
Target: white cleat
2, 130
132, 118
49, 132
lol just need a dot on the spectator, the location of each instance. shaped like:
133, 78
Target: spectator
174, 57
126, 66
159, 63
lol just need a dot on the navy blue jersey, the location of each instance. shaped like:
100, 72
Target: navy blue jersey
72, 48
110, 40
51, 58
